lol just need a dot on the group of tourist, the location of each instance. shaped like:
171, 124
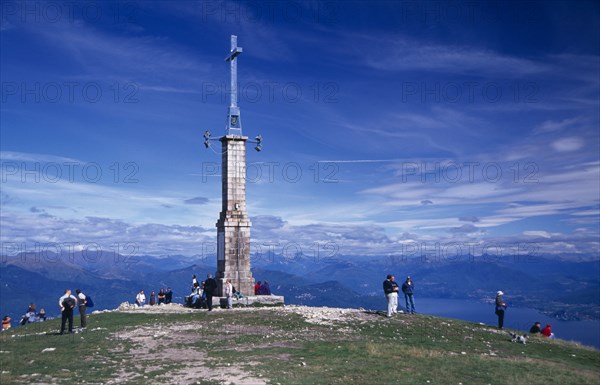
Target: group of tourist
165, 296
67, 303
202, 293
31, 315
262, 288
535, 329
391, 290
546, 331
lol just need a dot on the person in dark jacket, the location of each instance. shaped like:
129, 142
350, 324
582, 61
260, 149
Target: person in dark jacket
210, 285
264, 289
408, 289
66, 303
536, 328
82, 304
161, 296
500, 308
168, 295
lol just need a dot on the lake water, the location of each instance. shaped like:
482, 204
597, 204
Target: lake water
585, 332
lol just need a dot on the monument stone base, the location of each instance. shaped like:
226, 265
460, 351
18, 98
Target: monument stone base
253, 300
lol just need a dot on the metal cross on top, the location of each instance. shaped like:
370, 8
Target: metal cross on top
234, 124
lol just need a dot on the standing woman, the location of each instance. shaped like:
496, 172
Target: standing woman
500, 308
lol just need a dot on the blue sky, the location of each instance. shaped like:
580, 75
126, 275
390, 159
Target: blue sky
389, 127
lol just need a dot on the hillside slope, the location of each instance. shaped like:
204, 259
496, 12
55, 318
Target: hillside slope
289, 345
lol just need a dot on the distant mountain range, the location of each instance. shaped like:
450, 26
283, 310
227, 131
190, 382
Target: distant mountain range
563, 289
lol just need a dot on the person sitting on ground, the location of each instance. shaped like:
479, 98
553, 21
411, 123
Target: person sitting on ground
161, 296
202, 291
152, 300
264, 289
31, 308
42, 315
29, 316
237, 294
194, 282
168, 295
5, 323
257, 288
195, 298
140, 299
547, 331
536, 328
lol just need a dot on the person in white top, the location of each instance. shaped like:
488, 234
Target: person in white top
229, 293
82, 307
140, 299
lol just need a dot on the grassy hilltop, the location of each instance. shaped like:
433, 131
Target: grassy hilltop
291, 345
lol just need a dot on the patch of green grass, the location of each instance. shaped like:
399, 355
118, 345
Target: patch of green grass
282, 347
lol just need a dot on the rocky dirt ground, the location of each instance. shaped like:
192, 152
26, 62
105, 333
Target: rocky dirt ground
171, 344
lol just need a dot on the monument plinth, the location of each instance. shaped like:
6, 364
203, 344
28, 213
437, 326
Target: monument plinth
233, 226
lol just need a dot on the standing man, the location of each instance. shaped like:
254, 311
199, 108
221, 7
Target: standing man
82, 301
229, 293
210, 285
66, 303
391, 293
408, 289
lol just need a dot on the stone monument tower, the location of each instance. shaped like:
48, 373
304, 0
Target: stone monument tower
233, 226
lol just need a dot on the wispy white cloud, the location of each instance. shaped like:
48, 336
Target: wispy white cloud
568, 144
400, 53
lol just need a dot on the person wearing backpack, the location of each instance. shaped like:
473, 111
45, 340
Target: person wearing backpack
210, 285
66, 303
82, 301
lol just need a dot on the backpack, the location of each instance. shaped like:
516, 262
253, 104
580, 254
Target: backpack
68, 303
88, 301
